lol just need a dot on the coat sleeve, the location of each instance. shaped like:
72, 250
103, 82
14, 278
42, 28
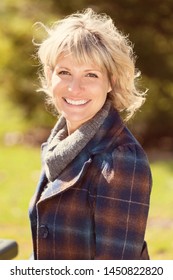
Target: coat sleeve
121, 204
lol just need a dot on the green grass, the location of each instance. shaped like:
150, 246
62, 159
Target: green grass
19, 172
160, 224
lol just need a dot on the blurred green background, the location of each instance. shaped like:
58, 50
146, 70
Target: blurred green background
25, 121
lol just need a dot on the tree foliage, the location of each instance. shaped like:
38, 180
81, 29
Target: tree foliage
18, 68
149, 26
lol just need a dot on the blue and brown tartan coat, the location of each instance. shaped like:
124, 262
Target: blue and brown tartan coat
98, 206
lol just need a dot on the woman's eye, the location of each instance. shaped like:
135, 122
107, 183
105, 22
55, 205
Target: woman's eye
92, 75
63, 72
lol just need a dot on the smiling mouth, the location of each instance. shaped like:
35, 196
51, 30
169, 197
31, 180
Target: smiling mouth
76, 102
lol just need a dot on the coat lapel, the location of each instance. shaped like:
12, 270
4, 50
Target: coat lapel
68, 178
41, 184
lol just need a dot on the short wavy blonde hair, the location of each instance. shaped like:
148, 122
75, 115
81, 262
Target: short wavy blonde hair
93, 37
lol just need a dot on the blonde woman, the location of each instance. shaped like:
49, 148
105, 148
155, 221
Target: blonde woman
93, 195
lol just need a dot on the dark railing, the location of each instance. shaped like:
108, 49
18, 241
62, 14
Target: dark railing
8, 249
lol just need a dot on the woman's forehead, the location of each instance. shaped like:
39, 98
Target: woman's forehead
89, 61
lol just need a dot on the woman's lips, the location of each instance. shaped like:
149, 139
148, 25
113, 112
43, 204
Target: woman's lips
78, 102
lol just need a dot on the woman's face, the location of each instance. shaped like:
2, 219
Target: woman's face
79, 90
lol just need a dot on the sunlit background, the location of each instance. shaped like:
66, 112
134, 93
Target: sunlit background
25, 121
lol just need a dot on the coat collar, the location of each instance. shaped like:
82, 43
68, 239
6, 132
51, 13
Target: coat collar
108, 133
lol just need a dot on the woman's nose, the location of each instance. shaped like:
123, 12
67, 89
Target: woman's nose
75, 86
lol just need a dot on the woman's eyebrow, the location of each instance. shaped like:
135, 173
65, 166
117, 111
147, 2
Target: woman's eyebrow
59, 67
93, 69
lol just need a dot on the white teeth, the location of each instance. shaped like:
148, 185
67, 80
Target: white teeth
76, 102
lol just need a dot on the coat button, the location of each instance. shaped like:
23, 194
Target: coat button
43, 231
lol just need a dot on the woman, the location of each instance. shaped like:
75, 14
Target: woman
92, 199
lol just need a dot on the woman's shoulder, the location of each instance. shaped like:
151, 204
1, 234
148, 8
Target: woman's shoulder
123, 158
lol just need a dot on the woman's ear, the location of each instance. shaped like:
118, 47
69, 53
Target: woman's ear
110, 87
48, 74
112, 83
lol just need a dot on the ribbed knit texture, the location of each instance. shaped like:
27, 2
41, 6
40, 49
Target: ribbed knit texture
63, 148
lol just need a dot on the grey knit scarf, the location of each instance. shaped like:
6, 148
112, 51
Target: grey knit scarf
62, 149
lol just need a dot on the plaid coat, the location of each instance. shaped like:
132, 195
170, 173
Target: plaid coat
97, 208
